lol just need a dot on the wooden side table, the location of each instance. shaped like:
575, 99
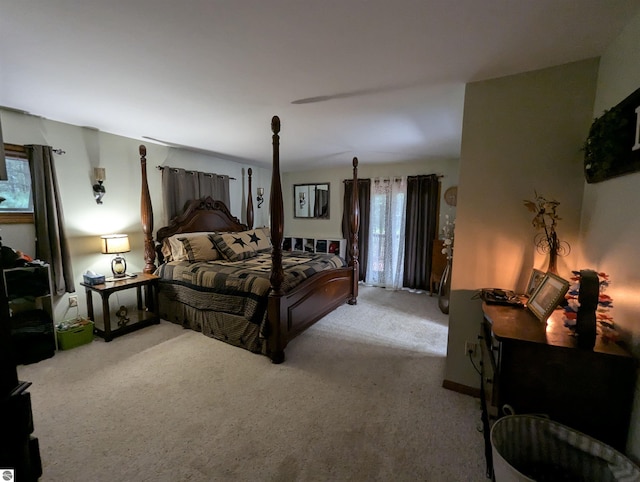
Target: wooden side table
147, 312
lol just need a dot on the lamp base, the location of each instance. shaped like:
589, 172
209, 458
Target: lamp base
119, 267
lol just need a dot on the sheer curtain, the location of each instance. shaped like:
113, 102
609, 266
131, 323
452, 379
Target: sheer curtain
385, 264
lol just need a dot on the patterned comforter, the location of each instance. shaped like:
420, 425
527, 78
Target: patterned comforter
238, 287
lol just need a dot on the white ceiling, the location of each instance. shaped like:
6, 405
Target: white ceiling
210, 73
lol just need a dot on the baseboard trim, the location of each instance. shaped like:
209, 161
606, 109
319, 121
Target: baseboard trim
458, 387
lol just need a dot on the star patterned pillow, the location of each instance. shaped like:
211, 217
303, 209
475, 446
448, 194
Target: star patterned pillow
199, 248
234, 246
258, 239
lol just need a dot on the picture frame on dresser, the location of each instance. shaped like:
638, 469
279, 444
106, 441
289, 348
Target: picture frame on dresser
534, 281
547, 296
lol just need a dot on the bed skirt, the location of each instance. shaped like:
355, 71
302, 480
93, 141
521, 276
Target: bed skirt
232, 329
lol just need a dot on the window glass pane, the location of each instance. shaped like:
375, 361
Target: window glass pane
17, 190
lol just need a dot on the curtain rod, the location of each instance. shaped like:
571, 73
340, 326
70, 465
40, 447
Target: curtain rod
439, 176
193, 172
60, 152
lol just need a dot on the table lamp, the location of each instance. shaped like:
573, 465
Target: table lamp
116, 244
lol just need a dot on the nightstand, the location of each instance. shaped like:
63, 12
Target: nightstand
146, 315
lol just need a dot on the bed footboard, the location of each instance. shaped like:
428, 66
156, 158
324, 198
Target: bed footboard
291, 313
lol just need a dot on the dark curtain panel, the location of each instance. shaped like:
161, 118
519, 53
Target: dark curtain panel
51, 240
180, 186
321, 204
421, 229
364, 200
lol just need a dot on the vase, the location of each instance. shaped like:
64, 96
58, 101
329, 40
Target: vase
553, 254
553, 262
444, 288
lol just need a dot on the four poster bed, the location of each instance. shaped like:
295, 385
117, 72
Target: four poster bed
232, 282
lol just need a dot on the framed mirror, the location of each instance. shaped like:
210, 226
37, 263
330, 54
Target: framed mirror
311, 201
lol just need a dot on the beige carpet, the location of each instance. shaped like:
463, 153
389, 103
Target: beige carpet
358, 398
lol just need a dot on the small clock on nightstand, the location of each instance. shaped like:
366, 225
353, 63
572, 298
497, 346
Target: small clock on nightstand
451, 196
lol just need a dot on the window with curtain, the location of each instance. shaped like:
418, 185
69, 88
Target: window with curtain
180, 186
385, 266
16, 198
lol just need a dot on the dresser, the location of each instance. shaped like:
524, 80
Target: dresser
529, 367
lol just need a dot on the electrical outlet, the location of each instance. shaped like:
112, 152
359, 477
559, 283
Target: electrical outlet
73, 300
470, 348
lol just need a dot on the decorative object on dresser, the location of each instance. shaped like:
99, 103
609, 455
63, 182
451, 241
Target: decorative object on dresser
116, 244
545, 220
597, 301
547, 296
279, 304
535, 279
529, 367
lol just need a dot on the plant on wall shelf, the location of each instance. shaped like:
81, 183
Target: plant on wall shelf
546, 219
604, 147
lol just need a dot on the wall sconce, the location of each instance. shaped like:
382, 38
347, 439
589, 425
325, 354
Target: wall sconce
116, 244
98, 188
260, 197
303, 200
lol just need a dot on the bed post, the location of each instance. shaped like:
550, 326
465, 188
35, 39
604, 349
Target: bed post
250, 203
146, 216
355, 225
277, 228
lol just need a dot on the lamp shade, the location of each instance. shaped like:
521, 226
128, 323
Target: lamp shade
115, 243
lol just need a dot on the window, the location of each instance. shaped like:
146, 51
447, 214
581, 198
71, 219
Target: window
386, 233
17, 204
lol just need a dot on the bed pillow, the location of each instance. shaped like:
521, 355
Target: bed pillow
165, 249
259, 239
234, 246
193, 247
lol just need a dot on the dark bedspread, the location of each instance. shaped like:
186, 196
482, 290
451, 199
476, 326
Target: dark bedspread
239, 288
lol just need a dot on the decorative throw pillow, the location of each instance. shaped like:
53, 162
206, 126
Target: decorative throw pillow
193, 247
166, 250
259, 239
234, 246
200, 248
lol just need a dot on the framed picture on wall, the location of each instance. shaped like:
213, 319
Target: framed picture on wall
547, 296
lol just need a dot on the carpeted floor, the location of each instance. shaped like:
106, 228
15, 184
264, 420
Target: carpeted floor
359, 397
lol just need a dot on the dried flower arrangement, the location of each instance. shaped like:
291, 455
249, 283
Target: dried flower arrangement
546, 219
447, 237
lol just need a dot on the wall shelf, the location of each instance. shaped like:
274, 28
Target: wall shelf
315, 245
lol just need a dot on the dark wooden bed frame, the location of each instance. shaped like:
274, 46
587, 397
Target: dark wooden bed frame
288, 314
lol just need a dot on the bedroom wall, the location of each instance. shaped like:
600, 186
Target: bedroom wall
85, 220
610, 226
520, 133
332, 227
